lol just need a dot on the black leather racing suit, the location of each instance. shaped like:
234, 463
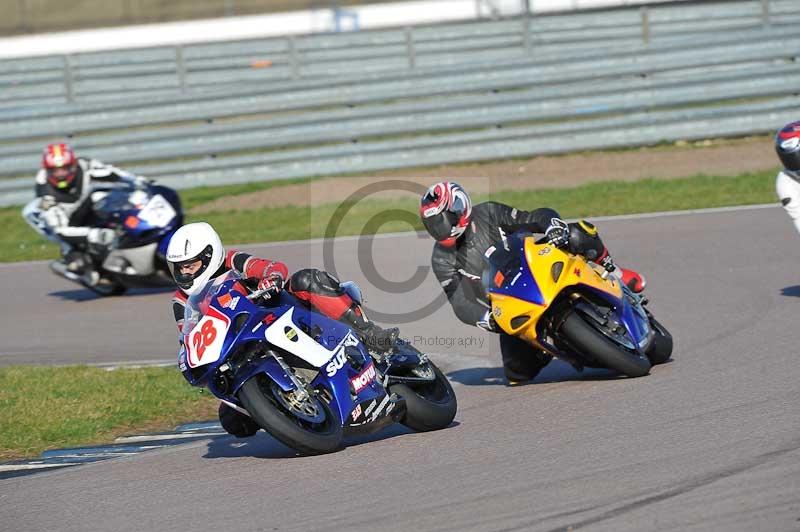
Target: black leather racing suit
459, 269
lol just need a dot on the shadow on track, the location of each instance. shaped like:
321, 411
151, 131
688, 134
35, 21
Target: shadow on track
555, 371
791, 291
262, 445
84, 294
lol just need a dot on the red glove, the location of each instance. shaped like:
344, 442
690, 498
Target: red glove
271, 284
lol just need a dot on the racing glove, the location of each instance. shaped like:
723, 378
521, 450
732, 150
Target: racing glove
271, 285
55, 217
46, 202
557, 234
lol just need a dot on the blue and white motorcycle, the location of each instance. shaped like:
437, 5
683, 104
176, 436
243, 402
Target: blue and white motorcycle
143, 220
304, 378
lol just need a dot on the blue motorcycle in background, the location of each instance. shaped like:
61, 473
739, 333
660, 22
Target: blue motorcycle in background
143, 220
304, 378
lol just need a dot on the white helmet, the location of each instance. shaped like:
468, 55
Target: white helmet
190, 243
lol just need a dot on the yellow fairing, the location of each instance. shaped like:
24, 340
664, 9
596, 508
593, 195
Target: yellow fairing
543, 261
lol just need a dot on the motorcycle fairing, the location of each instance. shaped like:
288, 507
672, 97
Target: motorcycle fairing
553, 270
322, 342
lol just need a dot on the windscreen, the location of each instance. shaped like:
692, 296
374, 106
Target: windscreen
504, 262
197, 304
116, 200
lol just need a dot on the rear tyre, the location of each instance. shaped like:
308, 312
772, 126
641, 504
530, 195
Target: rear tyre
429, 406
258, 395
583, 336
661, 349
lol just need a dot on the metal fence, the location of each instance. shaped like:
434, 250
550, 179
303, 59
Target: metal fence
549, 92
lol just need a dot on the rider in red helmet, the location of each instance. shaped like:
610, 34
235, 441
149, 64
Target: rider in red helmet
62, 210
464, 232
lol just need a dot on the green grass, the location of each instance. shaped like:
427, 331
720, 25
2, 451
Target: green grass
598, 199
18, 242
45, 408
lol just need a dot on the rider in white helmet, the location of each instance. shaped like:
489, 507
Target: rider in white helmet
195, 255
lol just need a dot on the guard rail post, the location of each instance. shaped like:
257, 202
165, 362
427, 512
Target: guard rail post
765, 12
412, 56
22, 6
180, 67
645, 25
526, 31
294, 66
69, 82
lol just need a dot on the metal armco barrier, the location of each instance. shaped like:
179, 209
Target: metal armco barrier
346, 103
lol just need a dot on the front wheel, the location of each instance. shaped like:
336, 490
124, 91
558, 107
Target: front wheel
305, 424
583, 336
661, 349
429, 406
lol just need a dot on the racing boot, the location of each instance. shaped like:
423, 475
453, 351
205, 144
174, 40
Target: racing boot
77, 262
633, 280
236, 423
374, 337
584, 240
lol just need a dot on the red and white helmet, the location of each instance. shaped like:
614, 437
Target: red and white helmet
61, 165
446, 210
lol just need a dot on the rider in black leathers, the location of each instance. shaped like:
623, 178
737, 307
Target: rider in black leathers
464, 233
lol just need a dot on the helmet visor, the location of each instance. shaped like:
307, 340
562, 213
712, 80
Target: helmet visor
186, 271
439, 226
62, 176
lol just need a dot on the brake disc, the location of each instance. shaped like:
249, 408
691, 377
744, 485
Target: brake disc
306, 408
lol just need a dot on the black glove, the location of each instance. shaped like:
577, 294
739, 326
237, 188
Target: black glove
558, 233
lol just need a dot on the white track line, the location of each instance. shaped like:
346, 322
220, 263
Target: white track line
312, 241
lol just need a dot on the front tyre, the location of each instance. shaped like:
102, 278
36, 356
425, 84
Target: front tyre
583, 336
429, 406
307, 426
661, 349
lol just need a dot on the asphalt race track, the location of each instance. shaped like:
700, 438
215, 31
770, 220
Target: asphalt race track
709, 441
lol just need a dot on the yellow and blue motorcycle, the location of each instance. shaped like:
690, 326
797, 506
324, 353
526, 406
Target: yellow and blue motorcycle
571, 308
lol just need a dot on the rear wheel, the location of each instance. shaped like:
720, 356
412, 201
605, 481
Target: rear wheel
429, 406
305, 424
583, 335
661, 349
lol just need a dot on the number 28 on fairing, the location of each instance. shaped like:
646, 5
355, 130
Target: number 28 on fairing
204, 341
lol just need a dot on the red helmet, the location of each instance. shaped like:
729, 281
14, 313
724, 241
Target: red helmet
787, 145
445, 210
61, 165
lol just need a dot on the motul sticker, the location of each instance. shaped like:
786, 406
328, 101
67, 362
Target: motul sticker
364, 378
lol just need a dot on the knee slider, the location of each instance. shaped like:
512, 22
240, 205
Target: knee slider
315, 281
